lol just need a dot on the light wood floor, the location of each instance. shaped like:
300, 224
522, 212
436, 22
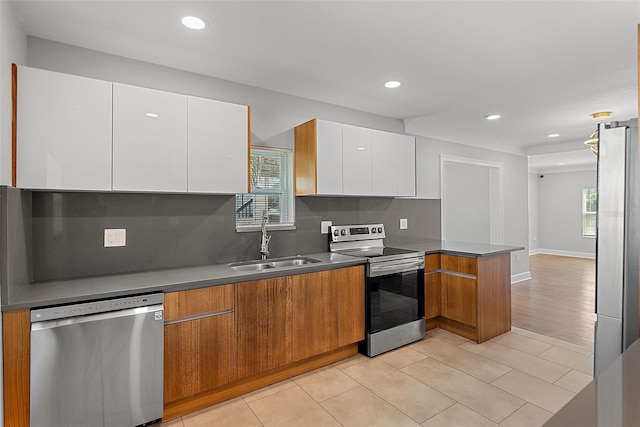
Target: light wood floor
559, 300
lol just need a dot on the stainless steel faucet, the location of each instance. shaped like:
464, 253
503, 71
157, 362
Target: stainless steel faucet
264, 243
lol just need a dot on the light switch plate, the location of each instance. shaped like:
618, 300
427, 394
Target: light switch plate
324, 226
403, 224
115, 237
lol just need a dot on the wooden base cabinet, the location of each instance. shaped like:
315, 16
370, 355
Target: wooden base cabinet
328, 311
469, 296
263, 325
198, 341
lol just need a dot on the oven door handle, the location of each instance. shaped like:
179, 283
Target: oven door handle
380, 270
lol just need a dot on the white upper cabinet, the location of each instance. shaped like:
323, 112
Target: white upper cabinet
406, 166
218, 146
329, 148
356, 161
384, 152
337, 159
318, 158
64, 131
149, 140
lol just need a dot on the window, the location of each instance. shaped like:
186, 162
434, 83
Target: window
271, 180
589, 209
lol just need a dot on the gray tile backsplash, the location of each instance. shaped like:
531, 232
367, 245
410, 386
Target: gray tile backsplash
169, 231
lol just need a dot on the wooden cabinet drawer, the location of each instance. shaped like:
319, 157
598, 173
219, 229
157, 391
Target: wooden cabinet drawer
194, 302
431, 262
458, 264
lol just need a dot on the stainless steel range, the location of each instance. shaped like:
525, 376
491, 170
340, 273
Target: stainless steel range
394, 287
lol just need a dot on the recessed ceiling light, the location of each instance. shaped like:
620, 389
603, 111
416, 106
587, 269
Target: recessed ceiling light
193, 22
553, 135
493, 117
152, 115
562, 163
392, 84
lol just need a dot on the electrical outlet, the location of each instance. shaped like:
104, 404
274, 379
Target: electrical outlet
115, 237
324, 226
403, 224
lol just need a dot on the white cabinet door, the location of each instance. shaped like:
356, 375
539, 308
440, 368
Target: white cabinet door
356, 161
64, 131
406, 165
329, 157
384, 165
218, 152
149, 140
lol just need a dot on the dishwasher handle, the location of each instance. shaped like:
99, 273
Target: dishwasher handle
57, 323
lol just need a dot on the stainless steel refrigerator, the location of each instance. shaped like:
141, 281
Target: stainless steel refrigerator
617, 242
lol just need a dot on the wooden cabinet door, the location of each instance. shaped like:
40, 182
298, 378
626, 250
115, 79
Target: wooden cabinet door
213, 352
149, 140
64, 131
218, 147
315, 320
179, 369
263, 325
432, 291
350, 288
198, 356
459, 298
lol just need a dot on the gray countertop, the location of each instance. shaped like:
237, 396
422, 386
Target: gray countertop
170, 280
611, 399
450, 247
41, 294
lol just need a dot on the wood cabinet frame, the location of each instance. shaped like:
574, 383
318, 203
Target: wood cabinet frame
469, 296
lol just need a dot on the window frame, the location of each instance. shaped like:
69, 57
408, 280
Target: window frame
584, 212
286, 191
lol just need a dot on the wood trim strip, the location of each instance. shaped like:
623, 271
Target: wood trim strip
16, 344
14, 124
240, 387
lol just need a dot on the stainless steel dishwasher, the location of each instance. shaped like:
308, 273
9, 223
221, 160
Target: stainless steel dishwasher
98, 363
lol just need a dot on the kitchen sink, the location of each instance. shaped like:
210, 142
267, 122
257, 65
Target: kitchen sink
262, 264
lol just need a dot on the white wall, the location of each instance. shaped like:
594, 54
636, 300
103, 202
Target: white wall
516, 222
466, 215
560, 213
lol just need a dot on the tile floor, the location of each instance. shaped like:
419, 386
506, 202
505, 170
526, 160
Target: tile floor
517, 379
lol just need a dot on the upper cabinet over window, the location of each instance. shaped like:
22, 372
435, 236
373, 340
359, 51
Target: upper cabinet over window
64, 131
336, 159
161, 141
218, 149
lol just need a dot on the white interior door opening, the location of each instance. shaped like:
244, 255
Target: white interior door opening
471, 200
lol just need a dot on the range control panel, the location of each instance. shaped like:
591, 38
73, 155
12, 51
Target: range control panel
350, 233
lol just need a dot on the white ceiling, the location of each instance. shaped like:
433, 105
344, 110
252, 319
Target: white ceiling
545, 66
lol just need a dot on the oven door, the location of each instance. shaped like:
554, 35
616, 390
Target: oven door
394, 298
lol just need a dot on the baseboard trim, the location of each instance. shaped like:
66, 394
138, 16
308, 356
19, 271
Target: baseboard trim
520, 277
563, 253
